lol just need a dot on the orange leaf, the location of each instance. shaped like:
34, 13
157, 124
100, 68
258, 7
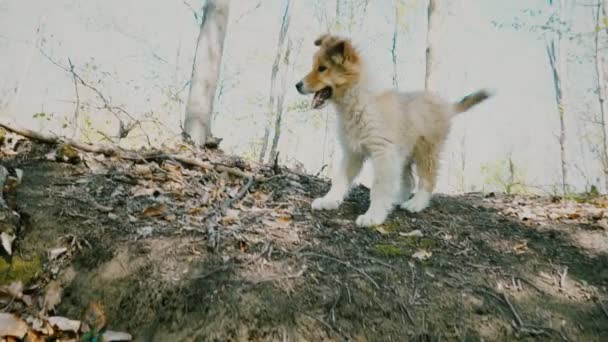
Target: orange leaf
155, 210
195, 210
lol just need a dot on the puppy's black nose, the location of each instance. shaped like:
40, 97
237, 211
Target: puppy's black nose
299, 86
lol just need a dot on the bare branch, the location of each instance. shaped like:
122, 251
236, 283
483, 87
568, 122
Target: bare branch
194, 12
124, 128
248, 12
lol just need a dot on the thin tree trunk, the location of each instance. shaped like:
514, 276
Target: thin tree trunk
280, 103
554, 54
554, 62
206, 70
275, 99
394, 46
431, 44
365, 4
338, 14
601, 86
463, 163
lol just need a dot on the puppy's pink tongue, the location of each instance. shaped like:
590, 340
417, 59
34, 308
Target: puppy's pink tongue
317, 100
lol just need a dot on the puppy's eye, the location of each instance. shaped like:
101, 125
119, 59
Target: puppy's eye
322, 68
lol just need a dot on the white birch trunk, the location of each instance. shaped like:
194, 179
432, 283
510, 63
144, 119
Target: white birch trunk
206, 70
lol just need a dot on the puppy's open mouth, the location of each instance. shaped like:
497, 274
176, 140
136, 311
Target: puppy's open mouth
321, 97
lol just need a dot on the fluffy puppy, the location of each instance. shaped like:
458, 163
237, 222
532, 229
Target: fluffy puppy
395, 130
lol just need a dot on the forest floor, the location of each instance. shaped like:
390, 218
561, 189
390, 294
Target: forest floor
168, 252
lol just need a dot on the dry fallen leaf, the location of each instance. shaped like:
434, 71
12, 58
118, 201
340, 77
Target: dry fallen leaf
231, 217
14, 290
11, 325
56, 252
145, 231
115, 336
155, 210
39, 325
196, 210
278, 223
64, 324
174, 187
34, 336
521, 248
170, 218
52, 297
413, 233
381, 230
139, 191
7, 242
95, 316
142, 169
422, 254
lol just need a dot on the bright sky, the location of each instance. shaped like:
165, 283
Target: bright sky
139, 52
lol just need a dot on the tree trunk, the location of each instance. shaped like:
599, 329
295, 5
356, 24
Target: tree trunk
602, 75
394, 46
431, 44
275, 102
338, 14
280, 103
206, 70
554, 54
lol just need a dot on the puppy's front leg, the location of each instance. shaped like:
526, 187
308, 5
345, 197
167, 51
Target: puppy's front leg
348, 169
385, 188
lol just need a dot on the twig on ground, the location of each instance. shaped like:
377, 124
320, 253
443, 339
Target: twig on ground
77, 106
327, 325
529, 282
229, 202
377, 261
213, 271
110, 151
491, 294
49, 139
601, 304
345, 263
321, 170
520, 323
407, 312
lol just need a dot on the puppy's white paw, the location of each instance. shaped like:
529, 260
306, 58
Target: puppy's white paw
418, 203
370, 219
326, 203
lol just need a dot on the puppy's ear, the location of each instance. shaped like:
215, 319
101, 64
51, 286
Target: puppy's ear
337, 52
320, 40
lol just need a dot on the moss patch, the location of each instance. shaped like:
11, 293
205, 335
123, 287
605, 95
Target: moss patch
19, 269
388, 251
392, 226
414, 242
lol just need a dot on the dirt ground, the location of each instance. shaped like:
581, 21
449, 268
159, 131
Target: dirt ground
151, 243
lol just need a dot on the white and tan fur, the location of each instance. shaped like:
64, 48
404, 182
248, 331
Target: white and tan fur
395, 130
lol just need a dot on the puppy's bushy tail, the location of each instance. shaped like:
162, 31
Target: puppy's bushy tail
471, 100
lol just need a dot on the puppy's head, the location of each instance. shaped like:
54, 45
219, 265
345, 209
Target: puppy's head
335, 68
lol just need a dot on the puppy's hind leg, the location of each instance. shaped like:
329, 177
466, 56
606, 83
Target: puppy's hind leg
348, 169
407, 182
385, 188
427, 156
